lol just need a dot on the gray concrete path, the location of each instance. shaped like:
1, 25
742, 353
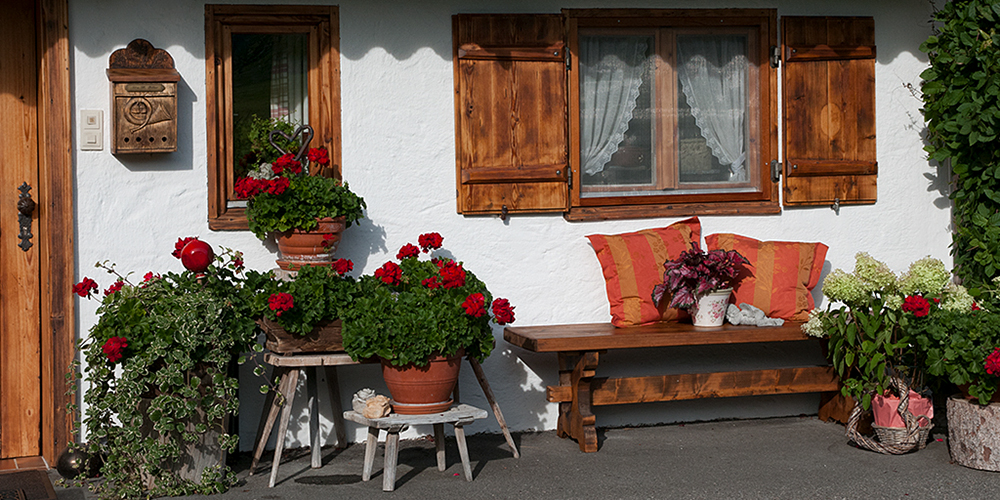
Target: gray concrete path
783, 458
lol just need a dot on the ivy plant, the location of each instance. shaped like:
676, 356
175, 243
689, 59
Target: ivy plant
961, 96
157, 374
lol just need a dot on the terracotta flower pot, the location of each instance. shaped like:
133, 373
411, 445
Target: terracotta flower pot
424, 389
305, 248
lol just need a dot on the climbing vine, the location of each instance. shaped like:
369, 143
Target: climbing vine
961, 94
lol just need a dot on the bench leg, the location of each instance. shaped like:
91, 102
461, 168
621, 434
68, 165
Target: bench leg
389, 469
439, 446
289, 382
463, 451
315, 437
576, 420
267, 418
370, 446
481, 376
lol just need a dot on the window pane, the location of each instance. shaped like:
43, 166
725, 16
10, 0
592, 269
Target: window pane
270, 80
712, 74
616, 126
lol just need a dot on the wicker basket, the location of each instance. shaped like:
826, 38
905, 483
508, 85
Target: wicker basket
892, 440
899, 437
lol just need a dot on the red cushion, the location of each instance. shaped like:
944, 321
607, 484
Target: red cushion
633, 264
784, 274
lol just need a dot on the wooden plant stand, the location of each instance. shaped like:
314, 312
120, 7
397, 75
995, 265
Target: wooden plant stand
458, 416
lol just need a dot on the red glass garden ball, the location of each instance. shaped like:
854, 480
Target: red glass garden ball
197, 255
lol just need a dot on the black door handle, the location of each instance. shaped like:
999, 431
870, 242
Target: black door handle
25, 207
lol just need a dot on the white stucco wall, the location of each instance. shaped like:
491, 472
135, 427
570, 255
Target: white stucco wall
399, 153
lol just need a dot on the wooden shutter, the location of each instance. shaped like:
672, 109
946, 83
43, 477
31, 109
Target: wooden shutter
829, 110
510, 113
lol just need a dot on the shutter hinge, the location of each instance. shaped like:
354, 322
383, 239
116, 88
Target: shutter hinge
569, 177
566, 56
775, 170
775, 56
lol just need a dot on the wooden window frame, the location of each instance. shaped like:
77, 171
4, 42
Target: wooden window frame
322, 25
764, 201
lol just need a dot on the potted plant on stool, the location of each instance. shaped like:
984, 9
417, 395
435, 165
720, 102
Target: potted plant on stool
701, 282
157, 380
306, 213
419, 317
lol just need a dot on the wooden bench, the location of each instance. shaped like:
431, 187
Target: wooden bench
579, 347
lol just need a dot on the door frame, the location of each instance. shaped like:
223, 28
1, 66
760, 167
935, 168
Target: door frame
56, 225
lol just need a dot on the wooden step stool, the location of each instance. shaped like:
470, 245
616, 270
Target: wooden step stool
458, 416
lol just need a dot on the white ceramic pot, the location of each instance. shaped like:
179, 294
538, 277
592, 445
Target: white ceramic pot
710, 310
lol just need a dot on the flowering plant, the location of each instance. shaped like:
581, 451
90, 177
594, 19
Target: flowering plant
961, 345
695, 273
281, 195
871, 331
313, 295
408, 312
159, 356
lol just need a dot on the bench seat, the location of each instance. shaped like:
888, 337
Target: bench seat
579, 346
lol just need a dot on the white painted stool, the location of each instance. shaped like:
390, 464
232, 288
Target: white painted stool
457, 416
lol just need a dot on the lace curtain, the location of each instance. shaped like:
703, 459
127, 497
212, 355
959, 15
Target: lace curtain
289, 83
611, 72
713, 75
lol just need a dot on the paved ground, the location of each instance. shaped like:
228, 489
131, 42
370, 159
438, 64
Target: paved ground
784, 458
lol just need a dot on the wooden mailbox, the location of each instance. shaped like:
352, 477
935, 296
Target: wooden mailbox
143, 99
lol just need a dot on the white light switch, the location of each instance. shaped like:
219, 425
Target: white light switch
91, 130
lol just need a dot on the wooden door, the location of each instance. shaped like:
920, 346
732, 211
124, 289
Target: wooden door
36, 245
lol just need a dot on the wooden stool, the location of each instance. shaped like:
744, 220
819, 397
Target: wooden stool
457, 416
286, 376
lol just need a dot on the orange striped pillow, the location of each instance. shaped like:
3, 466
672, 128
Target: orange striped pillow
784, 274
633, 264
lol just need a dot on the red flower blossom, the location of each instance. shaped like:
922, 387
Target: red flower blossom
148, 277
475, 305
430, 241
975, 306
328, 240
114, 348
280, 302
85, 287
277, 186
389, 273
503, 311
286, 162
408, 250
343, 266
452, 275
180, 245
916, 305
114, 287
247, 187
993, 362
319, 155
431, 282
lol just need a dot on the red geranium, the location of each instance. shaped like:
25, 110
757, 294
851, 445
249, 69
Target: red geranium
389, 273
85, 287
319, 155
431, 282
343, 266
277, 186
916, 305
247, 187
430, 241
114, 287
286, 162
180, 245
452, 275
503, 311
475, 305
408, 250
114, 348
993, 362
280, 302
328, 240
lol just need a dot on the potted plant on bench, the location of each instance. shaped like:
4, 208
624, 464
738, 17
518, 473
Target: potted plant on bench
872, 347
701, 282
421, 316
158, 385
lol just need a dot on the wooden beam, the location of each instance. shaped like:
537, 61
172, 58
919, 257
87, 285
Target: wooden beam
612, 391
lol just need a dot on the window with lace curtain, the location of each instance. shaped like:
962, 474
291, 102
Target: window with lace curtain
264, 62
